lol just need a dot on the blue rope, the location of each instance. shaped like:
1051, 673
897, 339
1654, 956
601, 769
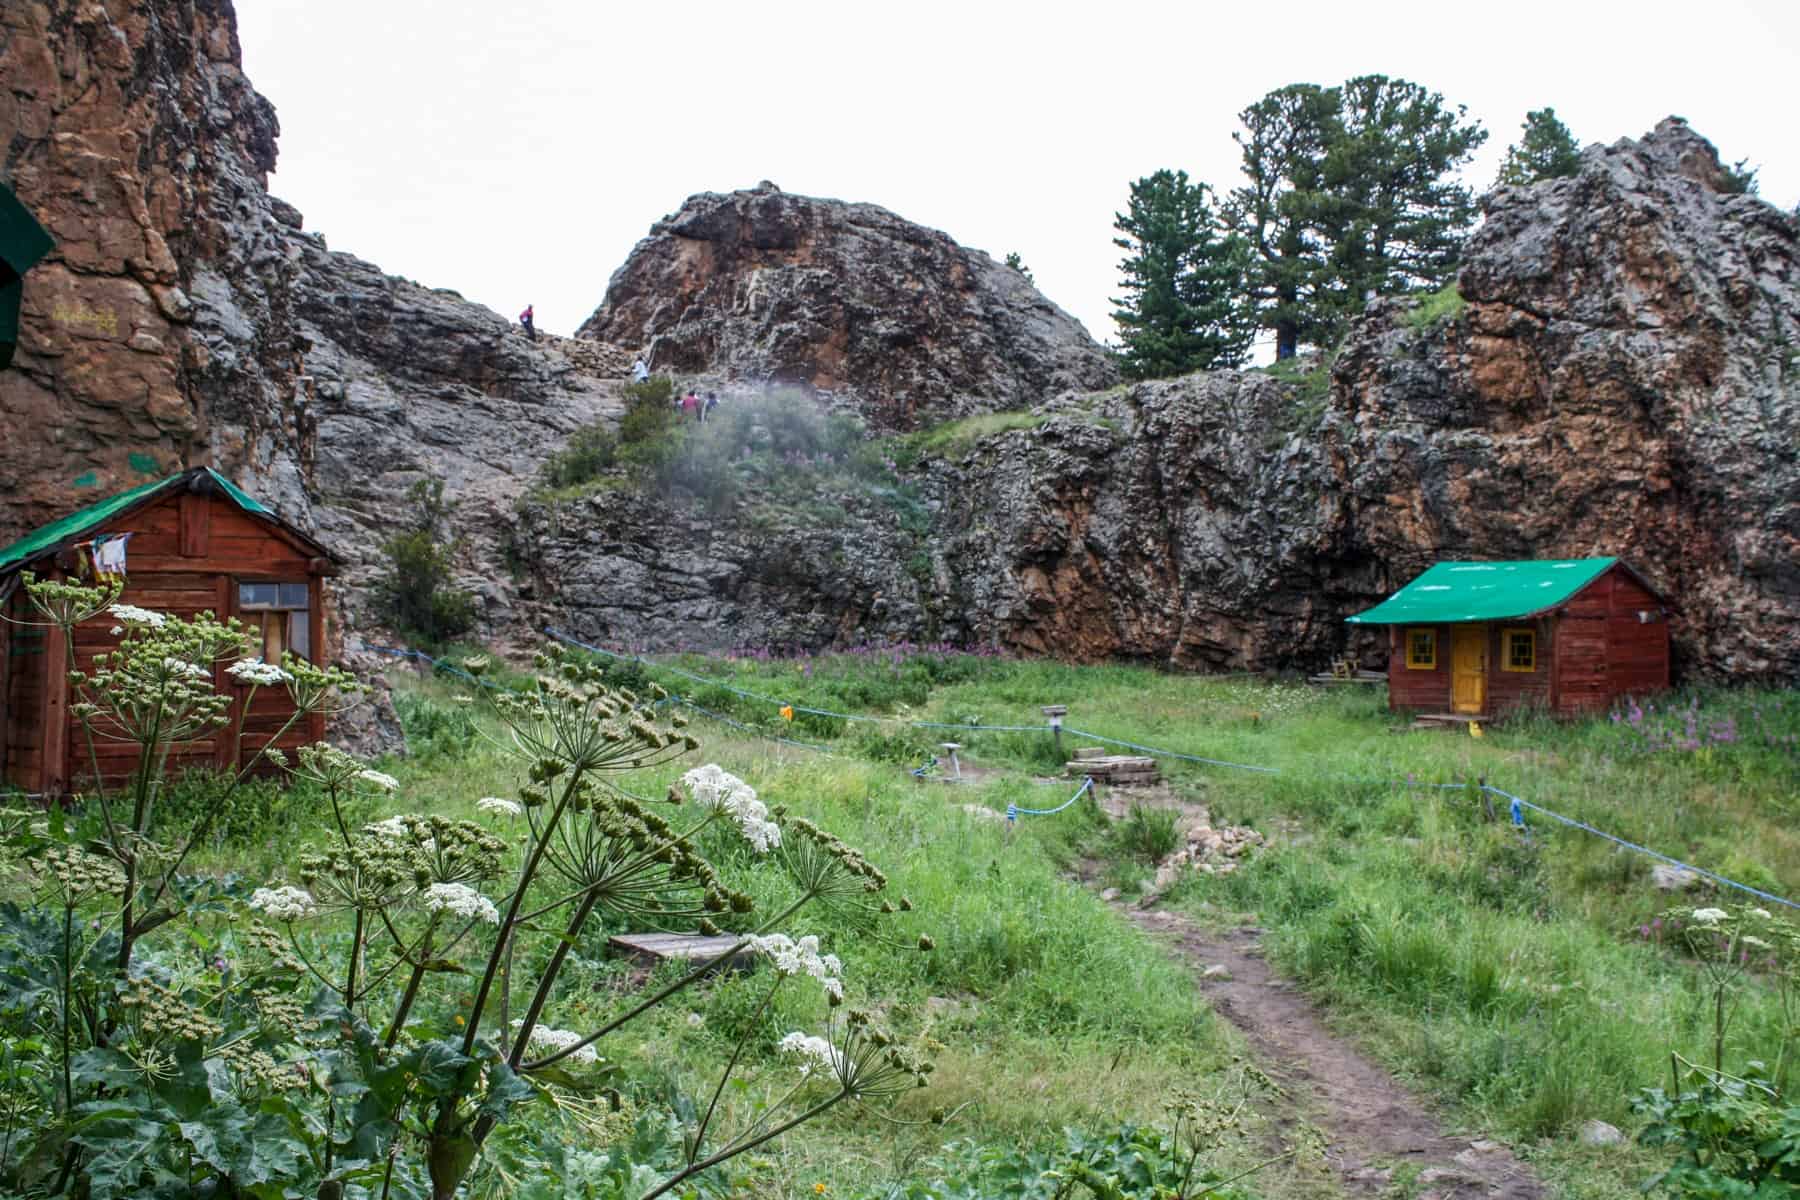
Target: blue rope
1212, 762
725, 720
1518, 804
1013, 811
1516, 810
919, 772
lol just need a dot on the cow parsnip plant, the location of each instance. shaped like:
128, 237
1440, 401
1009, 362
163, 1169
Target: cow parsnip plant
364, 1027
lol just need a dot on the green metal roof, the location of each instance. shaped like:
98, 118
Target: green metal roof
1493, 591
50, 536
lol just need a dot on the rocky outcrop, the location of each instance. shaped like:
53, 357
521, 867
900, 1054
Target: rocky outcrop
1624, 380
139, 145
185, 316
844, 298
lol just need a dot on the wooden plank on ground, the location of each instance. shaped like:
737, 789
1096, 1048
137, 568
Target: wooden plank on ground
681, 947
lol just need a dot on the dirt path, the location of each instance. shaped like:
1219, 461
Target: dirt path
1378, 1134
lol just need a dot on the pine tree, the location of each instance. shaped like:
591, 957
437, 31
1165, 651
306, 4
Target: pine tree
1283, 145
1182, 281
1393, 213
1349, 193
1546, 150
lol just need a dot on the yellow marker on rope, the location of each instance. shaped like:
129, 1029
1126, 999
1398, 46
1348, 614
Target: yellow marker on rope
787, 712
1474, 729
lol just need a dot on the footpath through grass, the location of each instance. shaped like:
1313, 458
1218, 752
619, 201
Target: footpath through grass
1524, 977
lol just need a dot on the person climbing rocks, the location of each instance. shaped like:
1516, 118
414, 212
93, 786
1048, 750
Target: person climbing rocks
690, 405
639, 372
526, 319
712, 402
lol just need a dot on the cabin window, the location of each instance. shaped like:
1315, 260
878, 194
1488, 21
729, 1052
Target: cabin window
1519, 648
281, 615
1421, 649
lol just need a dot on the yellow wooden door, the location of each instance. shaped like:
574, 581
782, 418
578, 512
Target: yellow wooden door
1468, 668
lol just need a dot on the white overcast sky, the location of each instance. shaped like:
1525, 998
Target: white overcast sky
516, 151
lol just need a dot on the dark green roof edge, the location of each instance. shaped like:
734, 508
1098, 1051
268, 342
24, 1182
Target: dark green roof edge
48, 538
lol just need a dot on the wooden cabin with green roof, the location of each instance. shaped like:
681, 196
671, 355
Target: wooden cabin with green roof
187, 544
1473, 640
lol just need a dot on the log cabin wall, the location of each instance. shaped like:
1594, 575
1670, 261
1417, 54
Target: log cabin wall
21, 699
1427, 690
1637, 638
1510, 687
189, 553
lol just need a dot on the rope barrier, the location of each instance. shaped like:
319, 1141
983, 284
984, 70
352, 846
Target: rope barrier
1014, 812
1517, 804
1518, 818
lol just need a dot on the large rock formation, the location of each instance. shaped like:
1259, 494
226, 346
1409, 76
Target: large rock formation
1625, 380
185, 317
844, 298
1621, 380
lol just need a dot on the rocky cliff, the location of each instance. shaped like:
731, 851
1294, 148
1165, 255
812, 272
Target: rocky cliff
843, 298
1621, 378
1625, 379
185, 316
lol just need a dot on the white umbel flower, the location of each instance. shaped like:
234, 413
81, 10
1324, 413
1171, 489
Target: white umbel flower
131, 614
1709, 916
802, 957
391, 828
500, 805
713, 787
258, 672
386, 783
547, 1041
183, 669
814, 1052
284, 903
459, 899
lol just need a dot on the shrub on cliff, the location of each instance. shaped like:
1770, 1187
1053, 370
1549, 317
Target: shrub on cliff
414, 596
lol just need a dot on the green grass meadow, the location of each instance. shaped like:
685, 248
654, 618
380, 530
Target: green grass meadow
1516, 976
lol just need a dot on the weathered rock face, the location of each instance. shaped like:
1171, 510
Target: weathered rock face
845, 298
185, 317
138, 143
1625, 380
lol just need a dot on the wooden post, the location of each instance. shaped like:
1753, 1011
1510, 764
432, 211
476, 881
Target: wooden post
1055, 713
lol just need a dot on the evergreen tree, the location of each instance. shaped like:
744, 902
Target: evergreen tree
1182, 280
1348, 193
1392, 212
1283, 145
1546, 150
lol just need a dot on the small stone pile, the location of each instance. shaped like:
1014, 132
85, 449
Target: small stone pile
1209, 850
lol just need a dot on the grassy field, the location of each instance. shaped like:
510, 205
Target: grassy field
1520, 977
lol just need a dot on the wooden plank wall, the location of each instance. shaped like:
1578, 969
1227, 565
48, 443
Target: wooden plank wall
1509, 690
184, 558
24, 670
1637, 651
1424, 691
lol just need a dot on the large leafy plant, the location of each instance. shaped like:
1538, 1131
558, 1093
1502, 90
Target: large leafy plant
365, 1027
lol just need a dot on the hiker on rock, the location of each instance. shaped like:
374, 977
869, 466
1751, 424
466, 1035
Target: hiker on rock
712, 402
526, 319
690, 405
639, 372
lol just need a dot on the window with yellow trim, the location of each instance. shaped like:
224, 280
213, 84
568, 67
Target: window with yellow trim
1421, 649
1518, 650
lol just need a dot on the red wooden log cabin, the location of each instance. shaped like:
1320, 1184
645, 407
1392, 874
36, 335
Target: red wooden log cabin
1478, 639
196, 544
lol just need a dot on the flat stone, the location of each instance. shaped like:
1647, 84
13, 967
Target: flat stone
1599, 1133
1666, 878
